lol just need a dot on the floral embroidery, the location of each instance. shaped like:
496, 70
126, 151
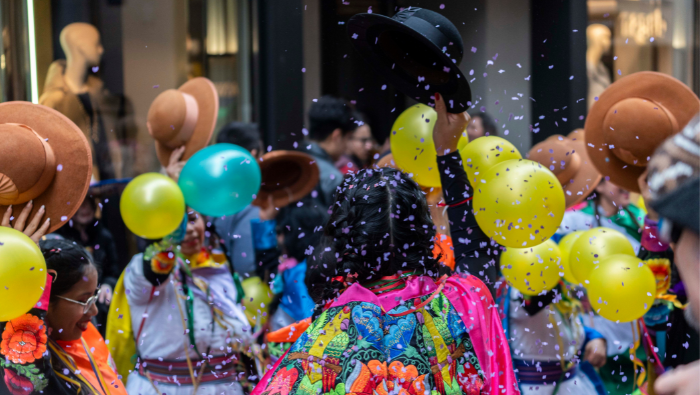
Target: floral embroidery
17, 384
359, 349
163, 262
31, 372
282, 383
24, 339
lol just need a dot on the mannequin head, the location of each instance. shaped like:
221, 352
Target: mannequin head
599, 41
81, 44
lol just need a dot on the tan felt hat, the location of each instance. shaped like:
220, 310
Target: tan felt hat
286, 175
44, 157
184, 116
632, 117
567, 158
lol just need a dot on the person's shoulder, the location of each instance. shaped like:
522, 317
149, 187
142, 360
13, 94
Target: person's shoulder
53, 98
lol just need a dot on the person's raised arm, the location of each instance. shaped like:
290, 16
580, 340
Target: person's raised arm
471, 245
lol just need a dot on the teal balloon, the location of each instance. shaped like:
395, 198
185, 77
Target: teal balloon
220, 180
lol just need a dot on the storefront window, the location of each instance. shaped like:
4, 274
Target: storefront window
627, 36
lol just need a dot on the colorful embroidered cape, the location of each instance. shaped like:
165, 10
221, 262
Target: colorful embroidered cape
361, 345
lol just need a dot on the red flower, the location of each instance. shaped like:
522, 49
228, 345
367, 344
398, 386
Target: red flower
24, 339
17, 384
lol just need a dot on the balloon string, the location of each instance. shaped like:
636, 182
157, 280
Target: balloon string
442, 204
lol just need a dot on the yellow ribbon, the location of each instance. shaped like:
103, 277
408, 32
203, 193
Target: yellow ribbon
673, 299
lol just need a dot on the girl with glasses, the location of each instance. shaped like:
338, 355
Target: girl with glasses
57, 344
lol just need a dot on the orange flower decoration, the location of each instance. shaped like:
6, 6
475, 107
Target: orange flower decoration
24, 339
163, 262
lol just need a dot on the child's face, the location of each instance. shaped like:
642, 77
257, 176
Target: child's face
194, 237
86, 213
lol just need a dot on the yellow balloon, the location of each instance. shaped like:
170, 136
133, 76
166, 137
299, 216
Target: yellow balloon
519, 203
622, 289
485, 152
592, 247
152, 206
257, 300
22, 273
565, 245
412, 144
532, 270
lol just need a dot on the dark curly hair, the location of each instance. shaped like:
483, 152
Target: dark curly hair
379, 226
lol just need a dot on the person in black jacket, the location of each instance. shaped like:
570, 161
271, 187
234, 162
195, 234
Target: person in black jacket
87, 230
331, 122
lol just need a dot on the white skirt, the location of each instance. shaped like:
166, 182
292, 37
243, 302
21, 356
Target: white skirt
578, 385
139, 385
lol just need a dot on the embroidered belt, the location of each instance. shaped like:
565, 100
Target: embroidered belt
542, 373
218, 369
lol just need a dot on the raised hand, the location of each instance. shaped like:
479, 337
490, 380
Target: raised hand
448, 127
175, 165
33, 230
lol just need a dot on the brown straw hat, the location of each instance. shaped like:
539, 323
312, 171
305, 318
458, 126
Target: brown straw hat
186, 116
632, 117
566, 157
43, 157
286, 175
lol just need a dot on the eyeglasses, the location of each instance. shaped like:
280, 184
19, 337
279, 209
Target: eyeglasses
86, 305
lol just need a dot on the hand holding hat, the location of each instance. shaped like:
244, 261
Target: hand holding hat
631, 119
183, 117
45, 163
567, 158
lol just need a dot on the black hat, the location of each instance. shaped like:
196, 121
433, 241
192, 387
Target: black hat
418, 50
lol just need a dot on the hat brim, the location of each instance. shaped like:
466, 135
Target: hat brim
660, 88
586, 178
430, 70
287, 176
66, 193
204, 92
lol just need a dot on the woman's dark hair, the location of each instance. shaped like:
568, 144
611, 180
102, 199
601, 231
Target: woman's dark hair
69, 260
490, 127
302, 226
379, 226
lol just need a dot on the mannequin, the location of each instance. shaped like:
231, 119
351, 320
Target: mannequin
78, 94
598, 38
81, 43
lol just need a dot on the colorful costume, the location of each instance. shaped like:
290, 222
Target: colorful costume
186, 321
408, 334
451, 344
32, 363
589, 215
547, 337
